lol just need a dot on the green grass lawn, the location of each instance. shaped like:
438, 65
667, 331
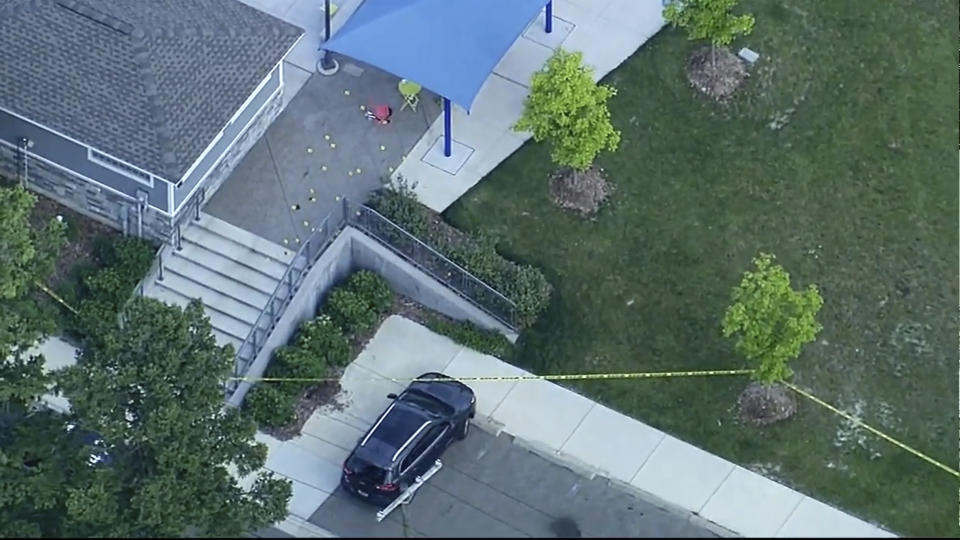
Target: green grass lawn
856, 192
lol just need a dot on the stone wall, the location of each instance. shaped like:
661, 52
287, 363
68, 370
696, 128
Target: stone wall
234, 154
104, 205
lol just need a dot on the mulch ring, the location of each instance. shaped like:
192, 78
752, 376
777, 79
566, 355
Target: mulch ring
764, 404
716, 76
583, 192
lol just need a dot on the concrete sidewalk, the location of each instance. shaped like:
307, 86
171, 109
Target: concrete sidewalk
607, 32
566, 426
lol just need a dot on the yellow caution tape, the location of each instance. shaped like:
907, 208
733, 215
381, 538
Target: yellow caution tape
871, 429
501, 378
55, 296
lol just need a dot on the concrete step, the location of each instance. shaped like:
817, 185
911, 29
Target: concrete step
226, 329
254, 277
238, 253
218, 301
245, 238
219, 282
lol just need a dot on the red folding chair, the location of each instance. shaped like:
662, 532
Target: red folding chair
379, 113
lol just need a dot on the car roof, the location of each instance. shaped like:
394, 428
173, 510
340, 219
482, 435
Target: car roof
399, 423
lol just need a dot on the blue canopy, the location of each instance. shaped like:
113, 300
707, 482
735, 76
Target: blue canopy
449, 47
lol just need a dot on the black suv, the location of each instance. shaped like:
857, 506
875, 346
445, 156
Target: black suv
408, 437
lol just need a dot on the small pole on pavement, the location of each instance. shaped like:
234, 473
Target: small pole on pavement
549, 23
446, 128
327, 64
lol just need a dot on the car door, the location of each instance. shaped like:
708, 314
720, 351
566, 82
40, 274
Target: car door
424, 452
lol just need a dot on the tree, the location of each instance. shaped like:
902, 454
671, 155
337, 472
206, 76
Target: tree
152, 389
26, 251
771, 320
568, 108
712, 20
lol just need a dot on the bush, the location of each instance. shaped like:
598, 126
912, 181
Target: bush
373, 288
524, 285
470, 335
322, 338
350, 311
103, 293
269, 405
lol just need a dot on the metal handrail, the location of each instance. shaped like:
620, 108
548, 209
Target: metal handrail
467, 280
309, 252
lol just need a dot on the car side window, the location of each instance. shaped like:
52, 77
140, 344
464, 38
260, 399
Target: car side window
421, 446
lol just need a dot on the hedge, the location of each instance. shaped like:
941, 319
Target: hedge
524, 285
470, 335
320, 347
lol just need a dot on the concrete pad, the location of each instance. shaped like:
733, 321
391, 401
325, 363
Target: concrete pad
682, 474
332, 430
522, 60
537, 32
305, 499
321, 448
543, 412
769, 504
591, 7
627, 443
294, 78
814, 519
57, 353
296, 463
459, 154
300, 528
498, 105
364, 395
638, 16
470, 363
402, 349
272, 443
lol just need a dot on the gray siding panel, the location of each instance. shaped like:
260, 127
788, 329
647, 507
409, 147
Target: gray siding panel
230, 134
73, 157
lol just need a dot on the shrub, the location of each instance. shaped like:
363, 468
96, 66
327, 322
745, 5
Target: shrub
103, 293
470, 335
350, 311
322, 338
372, 288
524, 285
297, 363
270, 406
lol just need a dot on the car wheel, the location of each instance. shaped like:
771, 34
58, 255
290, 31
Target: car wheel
463, 430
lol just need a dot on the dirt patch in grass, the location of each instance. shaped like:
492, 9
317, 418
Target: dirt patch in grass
581, 191
716, 72
764, 404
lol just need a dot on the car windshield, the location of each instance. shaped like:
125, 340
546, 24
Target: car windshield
366, 471
429, 403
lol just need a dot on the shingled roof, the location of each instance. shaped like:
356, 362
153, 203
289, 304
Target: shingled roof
151, 82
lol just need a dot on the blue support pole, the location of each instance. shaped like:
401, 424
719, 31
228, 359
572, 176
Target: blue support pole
446, 128
549, 25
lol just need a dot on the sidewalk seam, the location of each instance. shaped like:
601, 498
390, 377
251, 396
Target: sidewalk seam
593, 405
646, 459
793, 511
720, 485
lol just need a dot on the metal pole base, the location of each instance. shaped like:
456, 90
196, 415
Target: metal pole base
327, 65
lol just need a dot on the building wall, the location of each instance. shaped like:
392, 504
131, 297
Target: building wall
73, 155
237, 139
108, 206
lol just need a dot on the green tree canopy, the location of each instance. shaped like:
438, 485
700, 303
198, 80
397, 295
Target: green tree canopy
568, 109
712, 20
153, 390
772, 322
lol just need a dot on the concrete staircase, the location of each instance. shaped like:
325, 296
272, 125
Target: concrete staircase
232, 271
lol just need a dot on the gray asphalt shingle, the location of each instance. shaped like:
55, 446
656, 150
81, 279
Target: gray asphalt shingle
151, 82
